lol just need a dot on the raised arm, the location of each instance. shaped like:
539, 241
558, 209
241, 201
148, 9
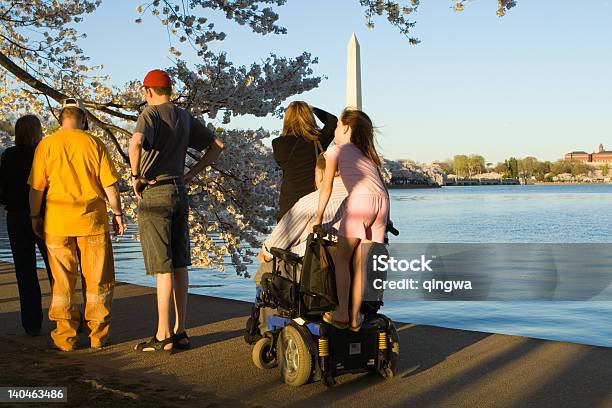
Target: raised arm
329, 126
325, 190
212, 154
200, 138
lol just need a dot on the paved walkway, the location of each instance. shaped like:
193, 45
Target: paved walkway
437, 368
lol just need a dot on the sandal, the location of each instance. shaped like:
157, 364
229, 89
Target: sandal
154, 344
176, 341
355, 329
327, 318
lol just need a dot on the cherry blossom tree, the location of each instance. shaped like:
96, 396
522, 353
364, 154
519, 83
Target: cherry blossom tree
233, 204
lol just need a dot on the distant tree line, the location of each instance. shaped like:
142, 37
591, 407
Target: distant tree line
467, 166
470, 165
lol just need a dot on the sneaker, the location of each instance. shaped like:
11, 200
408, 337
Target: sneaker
64, 349
54, 346
96, 345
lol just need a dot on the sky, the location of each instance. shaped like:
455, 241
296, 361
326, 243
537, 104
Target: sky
537, 82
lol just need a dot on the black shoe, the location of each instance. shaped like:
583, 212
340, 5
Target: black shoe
33, 332
155, 345
176, 341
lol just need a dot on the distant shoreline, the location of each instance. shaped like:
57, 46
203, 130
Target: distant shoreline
537, 183
411, 186
569, 182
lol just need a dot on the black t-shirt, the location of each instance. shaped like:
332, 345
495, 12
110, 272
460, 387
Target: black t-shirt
168, 132
297, 157
15, 168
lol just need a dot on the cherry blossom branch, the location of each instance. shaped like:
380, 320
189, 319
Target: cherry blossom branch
54, 94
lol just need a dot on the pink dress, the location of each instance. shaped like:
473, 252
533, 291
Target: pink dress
367, 205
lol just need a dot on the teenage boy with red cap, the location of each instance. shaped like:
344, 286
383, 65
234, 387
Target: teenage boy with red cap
157, 156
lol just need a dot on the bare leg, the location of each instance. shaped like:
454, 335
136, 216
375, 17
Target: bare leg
164, 291
357, 285
181, 283
346, 247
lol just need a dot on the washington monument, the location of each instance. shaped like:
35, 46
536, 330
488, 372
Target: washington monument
353, 74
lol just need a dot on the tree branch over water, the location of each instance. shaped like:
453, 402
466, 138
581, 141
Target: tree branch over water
235, 200
24, 76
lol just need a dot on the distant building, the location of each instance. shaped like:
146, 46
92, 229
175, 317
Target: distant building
602, 156
579, 156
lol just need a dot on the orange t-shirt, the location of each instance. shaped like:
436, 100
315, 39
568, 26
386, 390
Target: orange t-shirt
75, 168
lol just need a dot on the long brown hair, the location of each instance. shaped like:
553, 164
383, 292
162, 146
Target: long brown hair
362, 133
27, 130
300, 121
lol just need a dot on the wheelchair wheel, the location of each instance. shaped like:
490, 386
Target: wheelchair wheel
262, 354
294, 357
387, 371
394, 344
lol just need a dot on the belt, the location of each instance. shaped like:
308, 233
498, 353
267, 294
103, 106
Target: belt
174, 181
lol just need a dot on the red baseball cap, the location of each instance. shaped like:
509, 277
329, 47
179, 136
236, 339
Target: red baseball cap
157, 78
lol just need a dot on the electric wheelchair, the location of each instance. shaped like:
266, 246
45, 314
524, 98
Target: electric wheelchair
298, 340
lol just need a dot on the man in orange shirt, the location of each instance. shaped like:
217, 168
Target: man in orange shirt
75, 169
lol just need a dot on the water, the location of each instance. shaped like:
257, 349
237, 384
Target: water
543, 213
502, 214
538, 213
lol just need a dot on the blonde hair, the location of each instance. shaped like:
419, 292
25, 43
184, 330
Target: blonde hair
300, 121
73, 113
321, 162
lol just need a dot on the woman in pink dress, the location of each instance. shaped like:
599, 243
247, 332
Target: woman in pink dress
367, 207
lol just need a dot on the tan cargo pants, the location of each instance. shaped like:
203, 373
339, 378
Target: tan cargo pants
98, 274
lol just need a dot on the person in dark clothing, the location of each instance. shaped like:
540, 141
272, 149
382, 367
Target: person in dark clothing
14, 171
296, 151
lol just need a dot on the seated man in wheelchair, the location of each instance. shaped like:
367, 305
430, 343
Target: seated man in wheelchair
292, 231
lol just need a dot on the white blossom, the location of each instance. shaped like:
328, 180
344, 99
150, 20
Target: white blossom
233, 202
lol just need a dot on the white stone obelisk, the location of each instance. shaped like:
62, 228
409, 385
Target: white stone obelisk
353, 74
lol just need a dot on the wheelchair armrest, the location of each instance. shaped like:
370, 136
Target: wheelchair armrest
286, 256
